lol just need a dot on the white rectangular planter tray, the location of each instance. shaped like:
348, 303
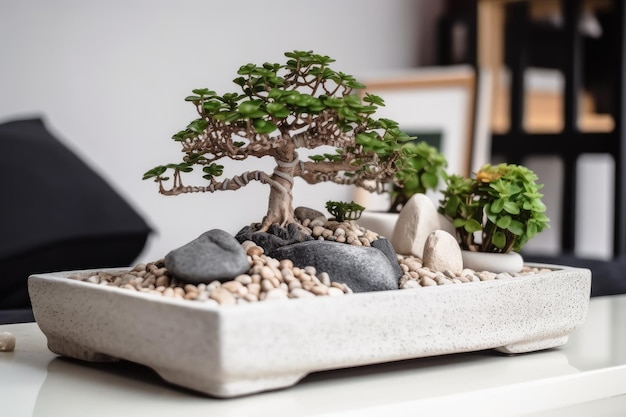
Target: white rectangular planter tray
243, 349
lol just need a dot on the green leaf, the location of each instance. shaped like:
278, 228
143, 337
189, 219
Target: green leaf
264, 127
498, 239
511, 207
452, 205
198, 125
365, 138
333, 102
348, 114
251, 109
504, 222
429, 180
316, 105
497, 206
195, 158
180, 136
183, 167
353, 100
247, 69
516, 227
155, 172
472, 226
333, 157
292, 98
411, 183
538, 206
374, 99
458, 222
278, 94
212, 105
277, 110
491, 216
231, 116
213, 170
203, 92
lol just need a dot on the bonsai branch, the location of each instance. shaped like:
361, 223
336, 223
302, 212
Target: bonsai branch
232, 184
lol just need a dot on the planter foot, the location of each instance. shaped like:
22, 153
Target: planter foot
533, 345
227, 387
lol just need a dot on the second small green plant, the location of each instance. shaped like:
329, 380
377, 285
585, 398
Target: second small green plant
420, 170
497, 211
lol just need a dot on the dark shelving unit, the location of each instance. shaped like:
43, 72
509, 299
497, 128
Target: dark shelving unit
569, 144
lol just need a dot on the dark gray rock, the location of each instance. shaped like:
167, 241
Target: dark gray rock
215, 255
361, 268
303, 213
385, 247
275, 237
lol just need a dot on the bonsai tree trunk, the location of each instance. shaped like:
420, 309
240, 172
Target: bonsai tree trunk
280, 206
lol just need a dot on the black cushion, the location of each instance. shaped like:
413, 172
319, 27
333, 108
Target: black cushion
24, 315
56, 213
608, 277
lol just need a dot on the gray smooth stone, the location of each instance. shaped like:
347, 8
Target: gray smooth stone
215, 255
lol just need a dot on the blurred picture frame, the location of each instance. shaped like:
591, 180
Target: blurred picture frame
435, 104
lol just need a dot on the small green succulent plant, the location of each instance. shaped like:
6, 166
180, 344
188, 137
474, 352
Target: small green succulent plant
498, 210
420, 170
344, 211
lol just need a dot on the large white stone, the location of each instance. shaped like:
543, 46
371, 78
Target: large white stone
416, 221
442, 253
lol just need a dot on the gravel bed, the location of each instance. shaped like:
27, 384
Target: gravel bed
272, 279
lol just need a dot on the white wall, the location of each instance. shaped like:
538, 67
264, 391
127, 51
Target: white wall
109, 78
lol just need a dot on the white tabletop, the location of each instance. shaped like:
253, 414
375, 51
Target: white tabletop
586, 376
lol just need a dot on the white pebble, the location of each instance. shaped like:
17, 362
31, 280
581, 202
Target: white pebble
301, 293
7, 342
411, 283
275, 294
427, 282
332, 291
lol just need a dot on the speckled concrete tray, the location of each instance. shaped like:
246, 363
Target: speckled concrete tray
238, 350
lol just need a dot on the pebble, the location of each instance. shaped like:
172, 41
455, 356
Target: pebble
223, 296
275, 294
427, 282
300, 293
334, 291
7, 342
411, 283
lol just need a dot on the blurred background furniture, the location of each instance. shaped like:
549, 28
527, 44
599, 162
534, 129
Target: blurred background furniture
56, 214
583, 43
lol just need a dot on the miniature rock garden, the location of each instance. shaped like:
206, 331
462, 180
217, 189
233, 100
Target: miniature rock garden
298, 253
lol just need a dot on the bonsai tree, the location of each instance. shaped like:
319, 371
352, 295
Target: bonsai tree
421, 169
278, 109
502, 204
